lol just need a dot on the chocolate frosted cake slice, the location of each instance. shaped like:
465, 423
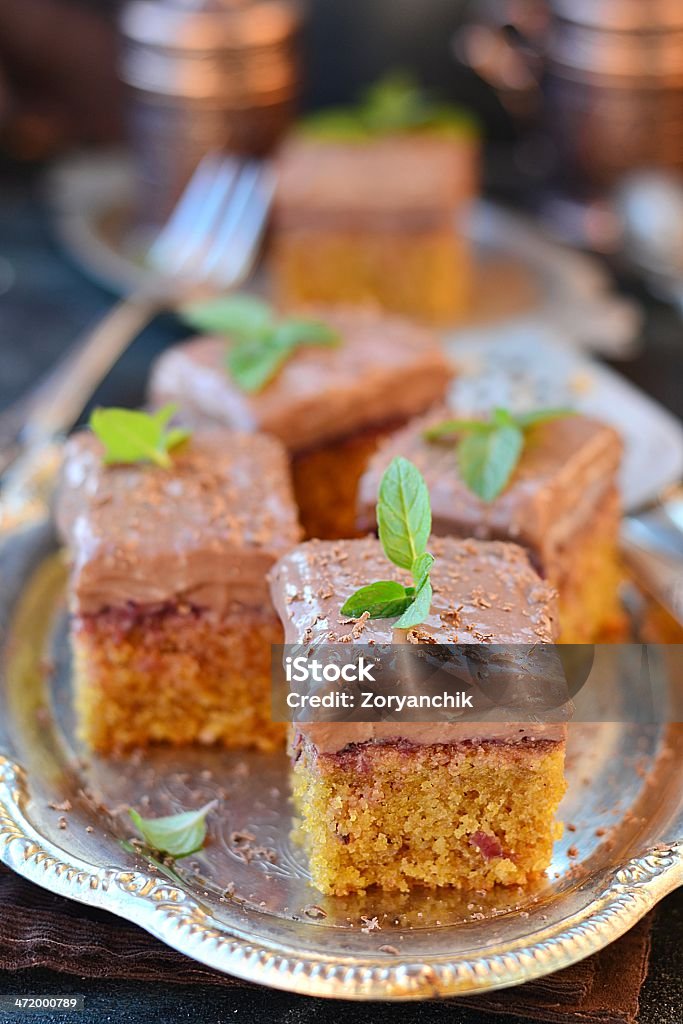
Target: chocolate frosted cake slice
561, 503
172, 623
435, 803
377, 219
329, 405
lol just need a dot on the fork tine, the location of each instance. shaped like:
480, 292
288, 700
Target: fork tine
181, 220
232, 211
212, 234
231, 256
193, 222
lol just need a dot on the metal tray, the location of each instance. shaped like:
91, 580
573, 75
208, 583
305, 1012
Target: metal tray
244, 905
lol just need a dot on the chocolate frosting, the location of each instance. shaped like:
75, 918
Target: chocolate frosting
204, 532
385, 368
484, 592
402, 179
332, 737
566, 467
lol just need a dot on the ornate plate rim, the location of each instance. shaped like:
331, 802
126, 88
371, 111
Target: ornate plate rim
170, 914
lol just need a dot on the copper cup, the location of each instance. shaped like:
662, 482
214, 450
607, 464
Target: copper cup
614, 87
222, 74
603, 78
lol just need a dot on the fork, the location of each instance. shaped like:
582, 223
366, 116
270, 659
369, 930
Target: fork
652, 545
209, 245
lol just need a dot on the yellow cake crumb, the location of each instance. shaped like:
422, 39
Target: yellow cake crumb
326, 483
590, 609
465, 816
425, 275
177, 679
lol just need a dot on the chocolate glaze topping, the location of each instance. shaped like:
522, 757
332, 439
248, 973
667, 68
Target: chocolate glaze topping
408, 178
484, 592
204, 532
567, 467
385, 368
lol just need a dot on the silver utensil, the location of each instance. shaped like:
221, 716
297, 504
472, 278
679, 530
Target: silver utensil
652, 545
203, 74
209, 245
649, 205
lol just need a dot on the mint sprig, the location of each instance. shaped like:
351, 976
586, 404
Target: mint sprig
488, 451
395, 104
177, 835
404, 520
260, 343
129, 435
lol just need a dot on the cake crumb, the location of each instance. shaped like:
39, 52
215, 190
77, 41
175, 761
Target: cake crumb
313, 911
370, 924
65, 805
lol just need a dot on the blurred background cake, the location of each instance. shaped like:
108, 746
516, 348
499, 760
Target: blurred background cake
370, 205
329, 404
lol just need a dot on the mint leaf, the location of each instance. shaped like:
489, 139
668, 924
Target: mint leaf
404, 519
418, 610
502, 418
404, 515
450, 120
176, 436
395, 104
177, 834
450, 428
161, 417
129, 435
292, 333
489, 450
486, 460
530, 419
382, 600
260, 344
337, 124
253, 363
241, 315
422, 566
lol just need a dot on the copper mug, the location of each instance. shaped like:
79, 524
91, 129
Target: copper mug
204, 75
603, 80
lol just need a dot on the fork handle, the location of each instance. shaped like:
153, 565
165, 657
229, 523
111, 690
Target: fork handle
55, 403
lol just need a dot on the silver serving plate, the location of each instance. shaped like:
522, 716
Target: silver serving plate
244, 905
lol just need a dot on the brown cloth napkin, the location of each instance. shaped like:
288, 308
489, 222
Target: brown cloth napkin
38, 929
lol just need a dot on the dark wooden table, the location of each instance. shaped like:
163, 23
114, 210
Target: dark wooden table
44, 303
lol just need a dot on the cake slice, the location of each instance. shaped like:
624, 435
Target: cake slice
172, 624
328, 404
561, 503
368, 207
396, 804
